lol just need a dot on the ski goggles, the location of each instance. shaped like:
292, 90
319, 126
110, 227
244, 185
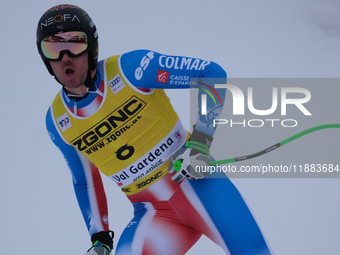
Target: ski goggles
73, 43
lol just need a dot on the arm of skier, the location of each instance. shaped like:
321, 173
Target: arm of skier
149, 70
88, 187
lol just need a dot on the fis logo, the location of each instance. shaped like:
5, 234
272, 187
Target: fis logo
178, 135
64, 122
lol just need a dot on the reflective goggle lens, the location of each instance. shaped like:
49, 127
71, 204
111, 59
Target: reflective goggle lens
74, 42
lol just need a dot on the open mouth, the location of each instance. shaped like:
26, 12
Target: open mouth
69, 71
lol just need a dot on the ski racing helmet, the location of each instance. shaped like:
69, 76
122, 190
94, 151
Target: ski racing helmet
61, 20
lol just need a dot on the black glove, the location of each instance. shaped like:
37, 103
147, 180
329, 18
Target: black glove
102, 243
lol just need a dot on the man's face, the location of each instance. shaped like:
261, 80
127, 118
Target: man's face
71, 72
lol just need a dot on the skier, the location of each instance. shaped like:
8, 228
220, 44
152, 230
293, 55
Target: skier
114, 115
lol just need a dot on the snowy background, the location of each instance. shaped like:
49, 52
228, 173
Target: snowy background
292, 38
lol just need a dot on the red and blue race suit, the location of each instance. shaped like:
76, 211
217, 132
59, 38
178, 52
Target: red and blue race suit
126, 128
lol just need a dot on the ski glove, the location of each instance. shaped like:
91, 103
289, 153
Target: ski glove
102, 243
190, 161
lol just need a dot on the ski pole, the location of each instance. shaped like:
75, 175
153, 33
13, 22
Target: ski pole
275, 146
